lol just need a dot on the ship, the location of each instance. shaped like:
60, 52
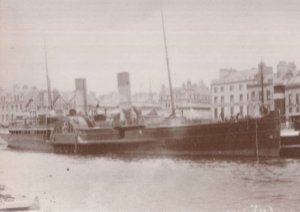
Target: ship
77, 133
290, 138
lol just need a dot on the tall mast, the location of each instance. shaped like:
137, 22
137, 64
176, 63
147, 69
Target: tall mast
48, 80
262, 85
167, 61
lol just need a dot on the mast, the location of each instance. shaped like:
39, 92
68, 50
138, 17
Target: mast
48, 80
262, 86
167, 61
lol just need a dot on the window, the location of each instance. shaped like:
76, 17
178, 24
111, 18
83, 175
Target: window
222, 99
231, 98
222, 113
241, 110
216, 113
216, 89
241, 97
241, 86
268, 94
290, 110
260, 95
253, 95
297, 99
290, 99
232, 111
231, 87
222, 88
216, 100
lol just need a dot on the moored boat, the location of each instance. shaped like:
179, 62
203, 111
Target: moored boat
76, 134
247, 137
290, 138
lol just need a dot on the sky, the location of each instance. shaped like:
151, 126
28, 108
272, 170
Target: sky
96, 39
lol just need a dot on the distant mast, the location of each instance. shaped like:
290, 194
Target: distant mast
167, 61
262, 88
48, 80
262, 83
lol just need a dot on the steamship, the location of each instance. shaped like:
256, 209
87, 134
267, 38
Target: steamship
253, 137
80, 134
75, 133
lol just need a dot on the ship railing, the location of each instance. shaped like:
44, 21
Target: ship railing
27, 126
104, 124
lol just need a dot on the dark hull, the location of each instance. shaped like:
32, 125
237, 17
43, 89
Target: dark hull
290, 145
244, 138
218, 139
154, 148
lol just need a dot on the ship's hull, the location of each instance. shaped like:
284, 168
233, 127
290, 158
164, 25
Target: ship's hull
29, 142
290, 144
249, 138
160, 148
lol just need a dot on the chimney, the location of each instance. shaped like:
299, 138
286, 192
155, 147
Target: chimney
124, 94
81, 96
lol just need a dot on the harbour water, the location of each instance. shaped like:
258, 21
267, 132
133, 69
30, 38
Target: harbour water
123, 183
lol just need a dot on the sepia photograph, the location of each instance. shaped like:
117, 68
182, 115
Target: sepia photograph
150, 105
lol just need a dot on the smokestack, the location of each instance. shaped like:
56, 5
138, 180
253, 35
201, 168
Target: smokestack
124, 93
81, 96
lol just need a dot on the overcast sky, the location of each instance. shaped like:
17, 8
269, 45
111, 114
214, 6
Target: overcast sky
96, 39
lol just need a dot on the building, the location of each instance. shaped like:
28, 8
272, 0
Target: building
27, 101
17, 101
230, 94
284, 68
63, 102
286, 88
238, 93
190, 98
292, 97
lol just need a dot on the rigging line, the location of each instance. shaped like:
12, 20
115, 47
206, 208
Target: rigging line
47, 75
167, 60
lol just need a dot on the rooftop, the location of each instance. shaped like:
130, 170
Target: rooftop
231, 75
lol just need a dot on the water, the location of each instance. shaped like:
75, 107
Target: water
77, 183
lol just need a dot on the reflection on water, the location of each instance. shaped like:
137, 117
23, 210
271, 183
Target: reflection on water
123, 183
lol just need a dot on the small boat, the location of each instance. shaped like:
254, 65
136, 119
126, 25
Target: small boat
290, 140
20, 205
